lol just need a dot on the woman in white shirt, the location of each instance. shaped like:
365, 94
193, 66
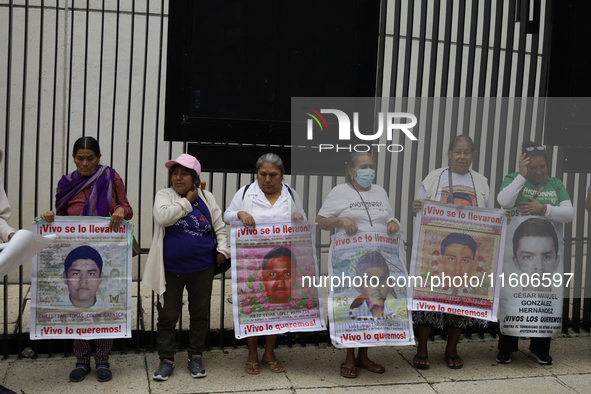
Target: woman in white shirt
468, 188
358, 205
265, 199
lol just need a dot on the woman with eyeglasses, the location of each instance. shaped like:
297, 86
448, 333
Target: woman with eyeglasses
523, 189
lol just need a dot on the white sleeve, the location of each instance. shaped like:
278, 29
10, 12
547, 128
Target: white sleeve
421, 193
564, 213
167, 213
507, 197
298, 203
331, 208
231, 214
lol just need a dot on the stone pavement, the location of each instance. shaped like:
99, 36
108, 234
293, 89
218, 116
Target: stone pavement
311, 370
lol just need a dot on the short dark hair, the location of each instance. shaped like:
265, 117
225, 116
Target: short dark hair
460, 239
352, 161
83, 252
535, 227
87, 143
461, 138
372, 259
279, 251
534, 153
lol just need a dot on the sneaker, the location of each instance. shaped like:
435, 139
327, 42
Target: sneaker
103, 373
164, 370
196, 366
79, 373
545, 359
504, 358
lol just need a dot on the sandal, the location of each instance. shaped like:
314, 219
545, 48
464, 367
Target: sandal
453, 362
253, 366
371, 367
352, 372
419, 365
274, 366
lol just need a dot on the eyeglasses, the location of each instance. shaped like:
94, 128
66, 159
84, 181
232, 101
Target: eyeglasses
533, 148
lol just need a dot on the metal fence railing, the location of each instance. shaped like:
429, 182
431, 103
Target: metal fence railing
74, 67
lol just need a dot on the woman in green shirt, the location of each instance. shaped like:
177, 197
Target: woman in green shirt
534, 193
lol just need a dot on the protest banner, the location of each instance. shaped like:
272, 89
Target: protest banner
269, 264
533, 277
457, 255
80, 284
367, 304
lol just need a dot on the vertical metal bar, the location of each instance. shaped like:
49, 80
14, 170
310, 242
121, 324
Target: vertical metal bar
578, 269
156, 124
85, 70
505, 93
395, 48
482, 81
53, 114
223, 278
8, 95
408, 48
484, 53
587, 281
421, 52
533, 73
39, 90
393, 84
459, 49
444, 81
472, 50
521, 51
494, 84
22, 164
114, 113
100, 80
139, 260
69, 107
381, 47
568, 235
434, 48
5, 304
131, 45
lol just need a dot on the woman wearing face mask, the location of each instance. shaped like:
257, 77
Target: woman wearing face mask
471, 189
523, 189
358, 205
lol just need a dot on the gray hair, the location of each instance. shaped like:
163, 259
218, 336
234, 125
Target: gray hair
461, 138
270, 158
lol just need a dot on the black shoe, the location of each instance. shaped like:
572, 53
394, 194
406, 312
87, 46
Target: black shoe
542, 359
103, 373
79, 373
503, 358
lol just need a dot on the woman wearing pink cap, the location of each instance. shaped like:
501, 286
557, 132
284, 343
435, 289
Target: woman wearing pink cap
189, 240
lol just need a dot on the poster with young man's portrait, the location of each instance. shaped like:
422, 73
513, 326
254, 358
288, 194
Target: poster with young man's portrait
81, 285
533, 275
367, 303
457, 255
274, 268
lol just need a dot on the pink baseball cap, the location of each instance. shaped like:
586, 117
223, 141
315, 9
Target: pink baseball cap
186, 161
